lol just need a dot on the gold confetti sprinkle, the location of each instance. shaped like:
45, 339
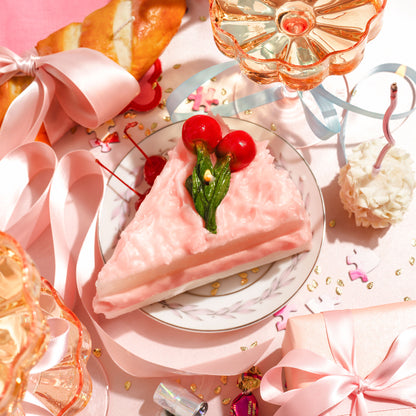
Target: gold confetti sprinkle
153, 126
310, 288
248, 112
154, 85
202, 18
166, 118
213, 79
340, 283
226, 401
216, 285
255, 270
332, 223
370, 285
224, 380
254, 344
176, 66
317, 269
406, 299
314, 284
226, 101
201, 396
328, 280
243, 348
338, 291
414, 242
214, 292
273, 127
412, 261
243, 275
129, 115
140, 126
243, 281
168, 90
217, 390
223, 91
398, 272
193, 387
127, 385
97, 352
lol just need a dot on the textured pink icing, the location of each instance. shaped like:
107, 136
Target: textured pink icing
166, 245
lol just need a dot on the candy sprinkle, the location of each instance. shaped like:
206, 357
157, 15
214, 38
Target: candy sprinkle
332, 223
317, 269
127, 385
340, 282
97, 352
406, 299
328, 280
217, 390
412, 261
398, 272
370, 285
338, 291
193, 387
226, 401
224, 380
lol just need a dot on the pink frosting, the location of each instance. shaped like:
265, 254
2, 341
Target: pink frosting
166, 245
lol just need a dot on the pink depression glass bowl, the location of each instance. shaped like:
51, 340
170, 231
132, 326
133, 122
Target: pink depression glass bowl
23, 330
297, 42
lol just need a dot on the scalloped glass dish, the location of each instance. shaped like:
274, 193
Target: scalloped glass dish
296, 42
27, 303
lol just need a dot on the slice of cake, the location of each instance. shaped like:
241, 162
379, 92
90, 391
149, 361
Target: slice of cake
166, 250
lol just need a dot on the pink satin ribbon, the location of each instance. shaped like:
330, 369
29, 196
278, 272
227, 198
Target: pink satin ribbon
339, 388
79, 86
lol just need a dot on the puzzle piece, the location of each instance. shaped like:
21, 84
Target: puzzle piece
325, 303
203, 99
284, 314
365, 261
104, 136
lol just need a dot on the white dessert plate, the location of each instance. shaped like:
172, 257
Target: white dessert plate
239, 300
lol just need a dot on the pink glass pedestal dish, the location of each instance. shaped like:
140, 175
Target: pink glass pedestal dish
28, 304
298, 42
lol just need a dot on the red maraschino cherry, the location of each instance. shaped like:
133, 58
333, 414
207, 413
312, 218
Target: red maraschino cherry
201, 129
153, 165
239, 146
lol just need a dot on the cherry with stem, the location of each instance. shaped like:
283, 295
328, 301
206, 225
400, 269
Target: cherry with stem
153, 165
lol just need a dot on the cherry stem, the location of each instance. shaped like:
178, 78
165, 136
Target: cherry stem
386, 128
128, 126
121, 180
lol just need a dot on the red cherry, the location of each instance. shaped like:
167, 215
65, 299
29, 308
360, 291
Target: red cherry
239, 146
201, 128
153, 165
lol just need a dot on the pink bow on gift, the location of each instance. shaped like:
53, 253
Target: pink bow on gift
339, 388
79, 85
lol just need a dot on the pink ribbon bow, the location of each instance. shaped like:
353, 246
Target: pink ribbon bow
339, 388
79, 85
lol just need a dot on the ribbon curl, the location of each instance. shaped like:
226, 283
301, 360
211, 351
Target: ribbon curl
69, 87
390, 385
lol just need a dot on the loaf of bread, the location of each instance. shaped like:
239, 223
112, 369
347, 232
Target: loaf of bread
133, 33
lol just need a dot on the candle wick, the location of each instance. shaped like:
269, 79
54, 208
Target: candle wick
386, 128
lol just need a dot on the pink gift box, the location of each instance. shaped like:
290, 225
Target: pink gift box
371, 331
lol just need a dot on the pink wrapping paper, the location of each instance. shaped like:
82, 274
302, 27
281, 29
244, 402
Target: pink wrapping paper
375, 329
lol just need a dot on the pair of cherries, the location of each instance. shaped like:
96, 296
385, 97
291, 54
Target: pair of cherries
238, 145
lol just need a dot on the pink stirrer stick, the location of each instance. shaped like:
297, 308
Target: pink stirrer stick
386, 128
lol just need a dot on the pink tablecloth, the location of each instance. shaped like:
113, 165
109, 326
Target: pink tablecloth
22, 26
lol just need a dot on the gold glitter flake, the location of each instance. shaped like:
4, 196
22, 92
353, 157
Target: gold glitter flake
406, 299
214, 292
328, 280
254, 344
127, 385
203, 18
129, 114
243, 348
147, 132
412, 261
97, 352
332, 223
340, 283
243, 275
317, 270
370, 285
310, 288
154, 85
338, 291
413, 242
216, 285
213, 79
255, 270
193, 387
273, 127
248, 112
224, 380
176, 66
168, 90
217, 390
201, 396
223, 91
398, 272
167, 118
226, 401
314, 283
243, 281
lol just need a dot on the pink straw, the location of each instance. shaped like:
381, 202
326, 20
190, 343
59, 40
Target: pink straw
386, 128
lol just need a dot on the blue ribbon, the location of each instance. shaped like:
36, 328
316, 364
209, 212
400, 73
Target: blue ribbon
326, 102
